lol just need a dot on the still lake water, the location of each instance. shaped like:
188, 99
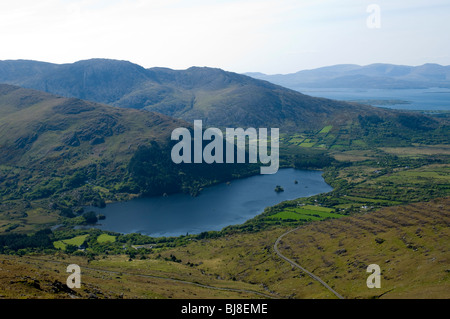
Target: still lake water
419, 99
216, 207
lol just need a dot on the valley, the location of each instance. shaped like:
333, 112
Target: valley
413, 260
223, 259
389, 171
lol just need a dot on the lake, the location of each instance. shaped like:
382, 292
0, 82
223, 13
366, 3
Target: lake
216, 206
418, 99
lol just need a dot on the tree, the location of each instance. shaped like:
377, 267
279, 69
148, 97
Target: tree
70, 248
90, 217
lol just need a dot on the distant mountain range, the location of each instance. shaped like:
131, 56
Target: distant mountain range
217, 97
373, 76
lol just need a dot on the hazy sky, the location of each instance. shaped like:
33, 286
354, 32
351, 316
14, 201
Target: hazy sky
269, 36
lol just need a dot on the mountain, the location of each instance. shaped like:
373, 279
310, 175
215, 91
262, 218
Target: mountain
70, 152
36, 127
373, 76
226, 99
217, 97
98, 80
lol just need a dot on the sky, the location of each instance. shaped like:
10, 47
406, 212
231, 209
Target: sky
268, 36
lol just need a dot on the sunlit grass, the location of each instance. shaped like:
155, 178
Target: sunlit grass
105, 238
77, 241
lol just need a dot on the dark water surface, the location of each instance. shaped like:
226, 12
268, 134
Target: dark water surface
216, 207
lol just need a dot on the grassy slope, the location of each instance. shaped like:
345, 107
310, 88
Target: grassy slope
408, 242
52, 118
413, 257
46, 140
27, 277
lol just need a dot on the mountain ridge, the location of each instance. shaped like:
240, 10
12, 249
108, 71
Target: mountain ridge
224, 99
220, 98
376, 75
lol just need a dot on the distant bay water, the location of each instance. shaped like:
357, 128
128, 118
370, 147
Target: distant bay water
216, 207
433, 99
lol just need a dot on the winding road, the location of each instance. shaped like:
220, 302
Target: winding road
275, 248
293, 263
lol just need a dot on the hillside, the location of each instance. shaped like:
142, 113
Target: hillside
219, 98
36, 127
408, 243
57, 154
60, 153
373, 76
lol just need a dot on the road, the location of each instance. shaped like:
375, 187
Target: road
293, 263
275, 247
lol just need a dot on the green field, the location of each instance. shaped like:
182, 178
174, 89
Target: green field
364, 200
77, 241
296, 140
326, 129
421, 175
306, 213
307, 144
359, 143
105, 238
